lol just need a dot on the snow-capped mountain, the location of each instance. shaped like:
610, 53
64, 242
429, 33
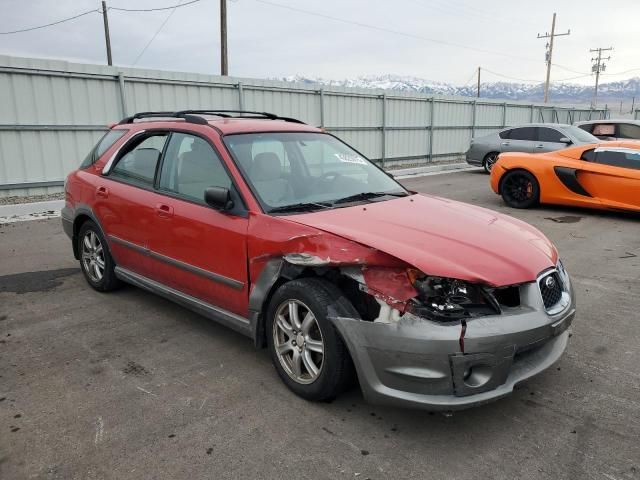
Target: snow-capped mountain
560, 92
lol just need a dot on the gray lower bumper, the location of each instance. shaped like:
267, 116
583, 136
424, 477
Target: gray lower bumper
418, 363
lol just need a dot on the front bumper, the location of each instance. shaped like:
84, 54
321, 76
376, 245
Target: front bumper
419, 363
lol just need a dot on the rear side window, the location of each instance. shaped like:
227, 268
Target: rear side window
506, 134
111, 137
523, 133
587, 128
630, 131
549, 135
604, 130
139, 162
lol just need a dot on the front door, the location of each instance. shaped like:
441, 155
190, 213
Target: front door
194, 248
548, 140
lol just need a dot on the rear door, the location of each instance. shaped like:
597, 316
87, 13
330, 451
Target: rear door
548, 140
124, 200
194, 248
520, 139
613, 176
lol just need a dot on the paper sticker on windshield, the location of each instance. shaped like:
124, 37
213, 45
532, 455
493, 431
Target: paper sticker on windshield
350, 158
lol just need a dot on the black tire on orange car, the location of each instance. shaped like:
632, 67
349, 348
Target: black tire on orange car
305, 347
520, 189
489, 161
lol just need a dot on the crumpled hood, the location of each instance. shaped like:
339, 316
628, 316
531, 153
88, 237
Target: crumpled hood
443, 238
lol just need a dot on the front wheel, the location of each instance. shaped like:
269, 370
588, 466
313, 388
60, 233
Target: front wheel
520, 189
306, 350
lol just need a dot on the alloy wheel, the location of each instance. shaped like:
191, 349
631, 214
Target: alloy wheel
518, 188
93, 260
490, 162
298, 341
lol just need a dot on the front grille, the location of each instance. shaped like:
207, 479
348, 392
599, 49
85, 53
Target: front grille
551, 289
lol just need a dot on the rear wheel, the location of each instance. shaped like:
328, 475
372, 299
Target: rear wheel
308, 354
95, 260
489, 161
520, 189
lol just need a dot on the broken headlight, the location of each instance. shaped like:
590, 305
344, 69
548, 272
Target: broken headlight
448, 299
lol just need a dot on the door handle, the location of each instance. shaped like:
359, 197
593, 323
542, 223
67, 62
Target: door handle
505, 144
102, 192
164, 211
539, 146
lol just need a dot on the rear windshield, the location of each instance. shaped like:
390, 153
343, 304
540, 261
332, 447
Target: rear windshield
109, 138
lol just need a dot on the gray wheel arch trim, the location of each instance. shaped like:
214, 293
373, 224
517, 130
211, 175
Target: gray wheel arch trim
82, 209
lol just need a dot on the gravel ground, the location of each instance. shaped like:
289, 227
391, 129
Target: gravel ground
129, 386
31, 199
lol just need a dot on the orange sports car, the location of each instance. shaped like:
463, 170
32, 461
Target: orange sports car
601, 175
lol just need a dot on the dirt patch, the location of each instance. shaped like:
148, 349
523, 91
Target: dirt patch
29, 282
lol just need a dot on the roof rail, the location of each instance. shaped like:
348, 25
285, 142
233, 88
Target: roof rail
241, 114
193, 116
186, 117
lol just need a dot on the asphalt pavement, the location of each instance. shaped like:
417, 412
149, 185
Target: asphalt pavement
127, 385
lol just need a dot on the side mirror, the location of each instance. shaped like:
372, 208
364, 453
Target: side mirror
566, 140
218, 198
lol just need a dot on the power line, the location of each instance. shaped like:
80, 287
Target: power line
51, 24
154, 9
157, 32
395, 32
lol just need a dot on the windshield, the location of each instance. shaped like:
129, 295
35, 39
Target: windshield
304, 170
581, 135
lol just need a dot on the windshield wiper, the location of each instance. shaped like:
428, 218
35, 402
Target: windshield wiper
299, 207
368, 196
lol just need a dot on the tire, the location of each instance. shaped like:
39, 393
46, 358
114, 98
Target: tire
334, 368
520, 189
96, 261
489, 161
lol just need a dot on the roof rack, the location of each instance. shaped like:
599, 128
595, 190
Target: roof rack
193, 116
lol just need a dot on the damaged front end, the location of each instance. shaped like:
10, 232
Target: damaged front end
445, 344
420, 340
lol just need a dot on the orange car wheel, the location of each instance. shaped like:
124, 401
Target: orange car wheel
520, 189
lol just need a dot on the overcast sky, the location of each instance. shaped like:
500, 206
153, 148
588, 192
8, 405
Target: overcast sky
267, 41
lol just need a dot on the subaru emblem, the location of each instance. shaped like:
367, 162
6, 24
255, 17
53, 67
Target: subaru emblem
550, 282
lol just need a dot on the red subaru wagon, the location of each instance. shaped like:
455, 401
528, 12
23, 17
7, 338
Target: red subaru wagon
288, 235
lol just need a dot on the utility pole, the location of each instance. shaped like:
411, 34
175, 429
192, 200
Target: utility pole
107, 38
478, 93
224, 65
597, 67
549, 53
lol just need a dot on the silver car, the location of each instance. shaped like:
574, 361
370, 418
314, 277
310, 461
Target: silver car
612, 129
530, 138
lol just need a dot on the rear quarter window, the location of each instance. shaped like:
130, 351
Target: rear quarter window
109, 138
505, 134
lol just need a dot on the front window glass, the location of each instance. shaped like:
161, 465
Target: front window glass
549, 135
302, 171
190, 166
580, 135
